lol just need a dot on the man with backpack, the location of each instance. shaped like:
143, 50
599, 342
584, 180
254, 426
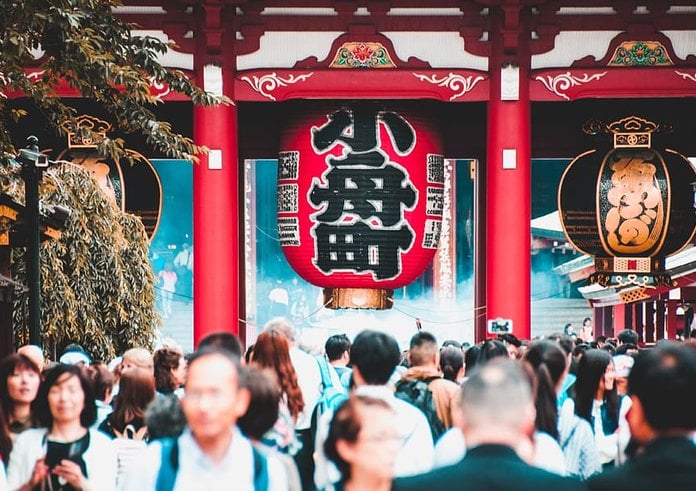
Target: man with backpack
211, 454
423, 386
374, 356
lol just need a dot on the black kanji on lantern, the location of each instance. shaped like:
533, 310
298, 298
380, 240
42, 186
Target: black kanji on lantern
362, 226
359, 247
363, 125
365, 192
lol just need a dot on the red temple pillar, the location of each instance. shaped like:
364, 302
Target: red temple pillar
508, 199
216, 211
672, 319
619, 321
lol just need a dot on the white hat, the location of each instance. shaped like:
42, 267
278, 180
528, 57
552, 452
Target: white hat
623, 365
75, 357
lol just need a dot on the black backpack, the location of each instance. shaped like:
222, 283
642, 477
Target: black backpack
418, 393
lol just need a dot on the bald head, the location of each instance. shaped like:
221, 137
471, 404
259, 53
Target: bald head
498, 395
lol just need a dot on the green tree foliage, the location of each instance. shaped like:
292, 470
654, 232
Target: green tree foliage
97, 287
82, 43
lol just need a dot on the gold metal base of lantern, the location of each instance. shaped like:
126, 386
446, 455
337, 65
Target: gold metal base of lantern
358, 298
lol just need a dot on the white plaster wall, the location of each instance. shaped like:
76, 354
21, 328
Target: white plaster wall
440, 49
283, 49
683, 42
570, 46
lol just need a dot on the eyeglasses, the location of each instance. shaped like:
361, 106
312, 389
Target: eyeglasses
381, 437
215, 396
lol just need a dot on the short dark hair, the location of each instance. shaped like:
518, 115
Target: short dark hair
224, 340
609, 348
421, 338
375, 354
664, 380
625, 348
564, 341
628, 336
102, 379
264, 393
336, 345
164, 417
40, 405
490, 349
581, 348
510, 339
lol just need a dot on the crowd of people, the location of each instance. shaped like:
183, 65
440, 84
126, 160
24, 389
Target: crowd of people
562, 412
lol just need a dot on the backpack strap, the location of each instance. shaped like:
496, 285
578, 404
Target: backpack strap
565, 443
169, 464
260, 470
325, 374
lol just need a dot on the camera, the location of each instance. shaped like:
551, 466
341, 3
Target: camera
30, 157
499, 326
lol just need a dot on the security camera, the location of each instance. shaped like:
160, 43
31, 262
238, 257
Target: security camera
30, 157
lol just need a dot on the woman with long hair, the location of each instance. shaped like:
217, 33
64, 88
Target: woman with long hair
170, 370
273, 351
136, 392
19, 385
597, 401
126, 424
363, 442
574, 435
65, 454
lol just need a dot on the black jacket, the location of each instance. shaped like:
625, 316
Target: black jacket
667, 463
488, 468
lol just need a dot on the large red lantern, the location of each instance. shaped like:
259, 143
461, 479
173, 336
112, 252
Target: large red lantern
360, 195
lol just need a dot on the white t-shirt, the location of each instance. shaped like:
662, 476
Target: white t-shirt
100, 459
451, 448
612, 447
197, 471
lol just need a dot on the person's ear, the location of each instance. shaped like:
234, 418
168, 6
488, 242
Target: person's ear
357, 376
345, 450
241, 402
529, 421
638, 423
